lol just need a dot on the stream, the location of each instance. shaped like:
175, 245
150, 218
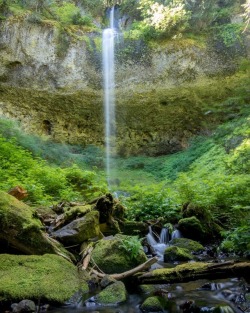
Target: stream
218, 296
230, 295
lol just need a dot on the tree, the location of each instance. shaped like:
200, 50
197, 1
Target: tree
165, 17
246, 15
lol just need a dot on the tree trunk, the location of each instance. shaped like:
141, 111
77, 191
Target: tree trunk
193, 271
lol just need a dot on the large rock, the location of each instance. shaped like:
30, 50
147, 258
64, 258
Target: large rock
112, 295
210, 227
191, 228
189, 244
49, 277
20, 229
79, 230
172, 254
111, 256
24, 306
153, 304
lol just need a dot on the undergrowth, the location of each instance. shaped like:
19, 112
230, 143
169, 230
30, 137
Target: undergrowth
45, 182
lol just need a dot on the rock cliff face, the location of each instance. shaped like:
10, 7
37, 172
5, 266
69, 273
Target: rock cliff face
51, 81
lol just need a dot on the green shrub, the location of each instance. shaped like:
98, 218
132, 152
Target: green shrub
55, 153
132, 244
43, 182
237, 240
229, 34
152, 202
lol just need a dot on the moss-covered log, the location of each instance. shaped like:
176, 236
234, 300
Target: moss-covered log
194, 271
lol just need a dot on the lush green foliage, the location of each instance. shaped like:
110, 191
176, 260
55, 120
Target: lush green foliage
65, 12
213, 173
153, 201
132, 244
238, 239
229, 34
164, 18
89, 157
44, 182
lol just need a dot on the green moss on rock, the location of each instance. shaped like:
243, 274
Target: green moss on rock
49, 277
172, 254
77, 211
152, 304
134, 228
20, 227
112, 295
112, 258
189, 244
146, 289
191, 228
170, 274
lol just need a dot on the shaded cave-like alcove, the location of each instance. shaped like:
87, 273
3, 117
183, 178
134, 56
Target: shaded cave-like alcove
47, 127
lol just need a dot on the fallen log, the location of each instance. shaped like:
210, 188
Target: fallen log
131, 272
198, 270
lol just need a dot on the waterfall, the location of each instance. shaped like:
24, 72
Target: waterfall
109, 97
163, 241
150, 237
164, 236
160, 246
176, 234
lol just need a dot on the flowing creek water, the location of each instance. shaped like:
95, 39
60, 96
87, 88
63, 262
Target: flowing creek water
202, 295
199, 296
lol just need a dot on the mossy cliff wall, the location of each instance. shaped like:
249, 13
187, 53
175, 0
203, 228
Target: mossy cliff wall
52, 82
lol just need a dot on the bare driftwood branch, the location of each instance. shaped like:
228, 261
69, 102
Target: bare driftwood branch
194, 271
87, 258
131, 272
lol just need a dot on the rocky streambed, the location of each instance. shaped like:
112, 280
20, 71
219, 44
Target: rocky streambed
85, 257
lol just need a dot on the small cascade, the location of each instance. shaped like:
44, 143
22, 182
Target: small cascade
150, 237
164, 236
176, 234
163, 241
160, 246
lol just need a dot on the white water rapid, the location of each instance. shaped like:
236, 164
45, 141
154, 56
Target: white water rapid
108, 39
160, 243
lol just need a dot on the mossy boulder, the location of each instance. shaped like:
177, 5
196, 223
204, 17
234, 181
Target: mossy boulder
20, 228
191, 228
77, 212
188, 244
48, 277
134, 228
172, 254
152, 304
211, 229
191, 209
79, 230
149, 290
111, 256
112, 295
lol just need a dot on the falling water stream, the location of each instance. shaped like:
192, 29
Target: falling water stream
108, 39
